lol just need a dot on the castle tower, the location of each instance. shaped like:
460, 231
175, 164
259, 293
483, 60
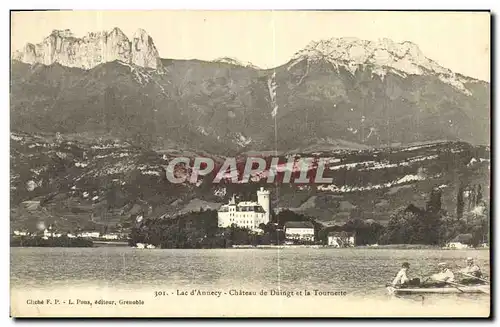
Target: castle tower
263, 200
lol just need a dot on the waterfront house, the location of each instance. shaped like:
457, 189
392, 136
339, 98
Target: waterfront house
145, 246
89, 234
341, 239
50, 232
461, 241
247, 214
110, 236
299, 230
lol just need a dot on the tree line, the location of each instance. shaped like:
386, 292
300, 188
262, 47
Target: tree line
434, 226
431, 225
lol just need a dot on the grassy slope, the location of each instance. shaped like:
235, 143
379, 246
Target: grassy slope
87, 183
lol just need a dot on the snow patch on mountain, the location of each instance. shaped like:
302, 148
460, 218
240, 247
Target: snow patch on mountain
242, 140
408, 162
202, 130
382, 56
235, 62
332, 188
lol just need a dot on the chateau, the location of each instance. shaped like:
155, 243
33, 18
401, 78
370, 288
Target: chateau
246, 214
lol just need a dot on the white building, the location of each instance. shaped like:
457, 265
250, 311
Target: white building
20, 233
299, 230
49, 233
110, 236
246, 214
456, 245
89, 234
461, 241
341, 239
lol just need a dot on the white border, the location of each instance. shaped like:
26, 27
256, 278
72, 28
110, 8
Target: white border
188, 4
256, 5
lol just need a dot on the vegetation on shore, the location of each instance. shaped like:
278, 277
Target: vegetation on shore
403, 246
434, 226
410, 227
38, 241
428, 227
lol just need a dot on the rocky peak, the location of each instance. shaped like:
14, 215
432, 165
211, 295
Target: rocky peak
27, 55
383, 56
144, 52
116, 32
405, 56
62, 47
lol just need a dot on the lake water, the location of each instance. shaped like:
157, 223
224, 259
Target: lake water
361, 273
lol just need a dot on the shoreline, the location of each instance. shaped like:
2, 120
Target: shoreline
264, 247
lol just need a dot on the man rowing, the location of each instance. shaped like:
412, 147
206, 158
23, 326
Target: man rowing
471, 268
442, 278
471, 272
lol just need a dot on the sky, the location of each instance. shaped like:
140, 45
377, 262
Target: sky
459, 41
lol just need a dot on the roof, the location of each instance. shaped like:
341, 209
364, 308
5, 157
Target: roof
299, 224
462, 238
248, 203
248, 207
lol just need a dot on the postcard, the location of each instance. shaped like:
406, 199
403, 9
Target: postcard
250, 164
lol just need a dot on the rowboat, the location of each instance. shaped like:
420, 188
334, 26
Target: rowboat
440, 290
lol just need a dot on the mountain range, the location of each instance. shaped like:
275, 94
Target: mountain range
95, 120
95, 48
341, 92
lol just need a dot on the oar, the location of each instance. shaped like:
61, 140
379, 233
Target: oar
484, 291
456, 285
460, 285
483, 280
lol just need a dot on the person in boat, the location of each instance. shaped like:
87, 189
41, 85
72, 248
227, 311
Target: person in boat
471, 272
402, 280
401, 277
471, 268
444, 277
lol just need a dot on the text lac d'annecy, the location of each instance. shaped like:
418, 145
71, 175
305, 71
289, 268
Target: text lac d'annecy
271, 292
